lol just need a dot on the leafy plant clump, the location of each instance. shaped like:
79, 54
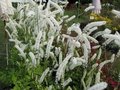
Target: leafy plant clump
43, 58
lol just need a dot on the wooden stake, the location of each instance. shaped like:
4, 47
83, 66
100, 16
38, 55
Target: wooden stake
6, 43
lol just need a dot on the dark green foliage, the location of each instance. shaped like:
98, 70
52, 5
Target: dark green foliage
76, 81
85, 1
116, 4
81, 1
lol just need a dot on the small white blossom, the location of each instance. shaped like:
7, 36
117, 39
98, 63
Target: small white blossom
21, 51
33, 59
89, 8
67, 82
93, 57
99, 54
99, 86
71, 18
62, 67
94, 24
43, 75
117, 13
31, 14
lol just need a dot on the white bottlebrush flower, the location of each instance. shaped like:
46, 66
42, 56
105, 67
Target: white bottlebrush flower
99, 86
23, 46
96, 47
94, 24
64, 17
56, 6
91, 30
71, 18
69, 88
76, 28
33, 59
111, 36
65, 83
76, 43
41, 52
86, 41
118, 54
89, 8
106, 61
71, 46
49, 22
60, 22
16, 41
55, 22
85, 52
50, 87
38, 39
43, 35
117, 33
117, 42
11, 25
83, 79
117, 13
64, 3
43, 75
92, 39
72, 66
63, 39
98, 34
60, 57
52, 56
8, 33
107, 42
107, 31
54, 13
95, 65
21, 51
67, 36
102, 33
97, 78
31, 14
49, 45
62, 67
99, 54
58, 39
57, 50
93, 57
76, 62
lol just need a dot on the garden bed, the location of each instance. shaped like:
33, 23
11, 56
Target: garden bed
48, 51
